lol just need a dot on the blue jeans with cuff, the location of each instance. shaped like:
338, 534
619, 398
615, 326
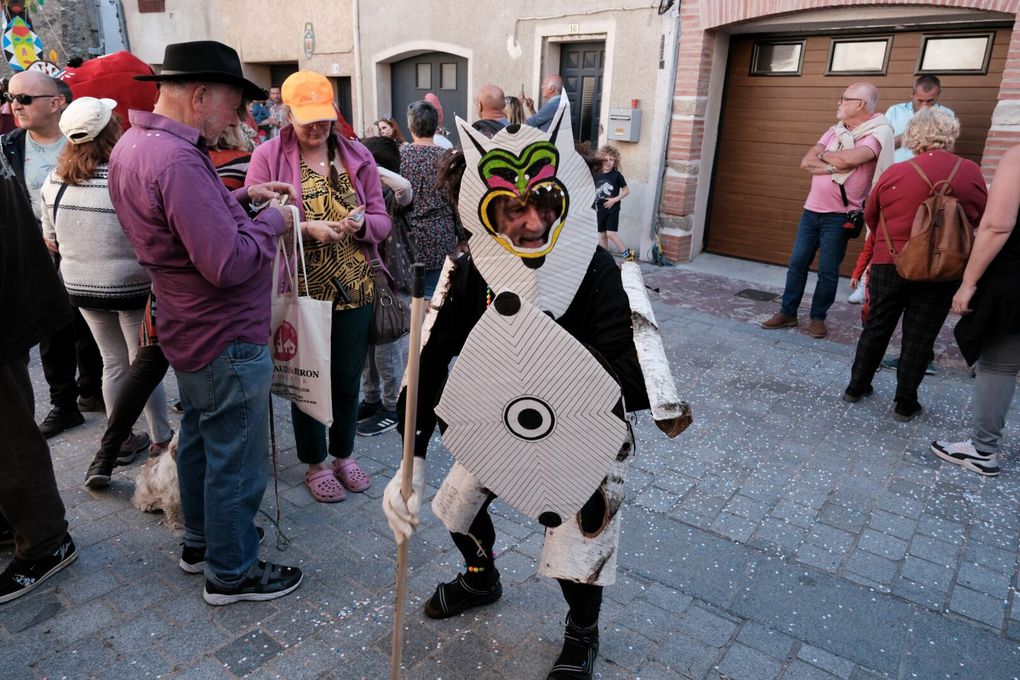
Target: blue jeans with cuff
817, 232
222, 457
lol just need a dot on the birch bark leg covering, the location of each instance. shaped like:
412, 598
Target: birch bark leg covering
459, 499
671, 415
573, 554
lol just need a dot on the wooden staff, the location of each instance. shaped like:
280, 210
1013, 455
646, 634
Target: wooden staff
407, 464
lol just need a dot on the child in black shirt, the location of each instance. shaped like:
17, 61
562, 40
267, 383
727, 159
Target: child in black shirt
610, 189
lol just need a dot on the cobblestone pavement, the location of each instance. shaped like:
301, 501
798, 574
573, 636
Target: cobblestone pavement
786, 535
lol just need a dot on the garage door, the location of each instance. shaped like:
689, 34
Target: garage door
769, 121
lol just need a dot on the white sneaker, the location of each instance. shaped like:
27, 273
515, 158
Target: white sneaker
964, 454
857, 296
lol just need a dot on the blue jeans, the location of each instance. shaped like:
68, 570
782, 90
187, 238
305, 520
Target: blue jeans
222, 457
816, 230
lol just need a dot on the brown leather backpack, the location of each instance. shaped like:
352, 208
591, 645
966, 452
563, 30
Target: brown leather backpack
941, 237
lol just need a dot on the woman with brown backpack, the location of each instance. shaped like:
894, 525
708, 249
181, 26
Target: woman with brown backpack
892, 211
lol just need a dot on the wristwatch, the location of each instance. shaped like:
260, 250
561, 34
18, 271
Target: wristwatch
830, 169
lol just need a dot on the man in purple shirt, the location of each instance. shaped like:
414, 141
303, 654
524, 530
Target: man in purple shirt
211, 267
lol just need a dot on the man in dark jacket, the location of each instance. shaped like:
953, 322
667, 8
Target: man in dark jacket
37, 101
31, 512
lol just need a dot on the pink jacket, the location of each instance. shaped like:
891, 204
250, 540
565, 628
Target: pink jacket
279, 160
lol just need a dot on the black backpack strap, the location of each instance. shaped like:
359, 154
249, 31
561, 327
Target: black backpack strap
56, 201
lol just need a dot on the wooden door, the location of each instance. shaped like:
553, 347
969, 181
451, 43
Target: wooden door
444, 75
581, 67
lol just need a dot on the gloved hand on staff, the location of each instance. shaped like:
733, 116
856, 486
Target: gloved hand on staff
403, 517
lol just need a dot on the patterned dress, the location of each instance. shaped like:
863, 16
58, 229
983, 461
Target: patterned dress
431, 219
338, 270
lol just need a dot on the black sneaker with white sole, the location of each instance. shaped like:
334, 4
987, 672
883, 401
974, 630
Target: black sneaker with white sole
964, 454
267, 581
22, 576
383, 421
367, 409
193, 559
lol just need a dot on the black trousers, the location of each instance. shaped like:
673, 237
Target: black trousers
69, 349
29, 500
583, 599
145, 373
924, 307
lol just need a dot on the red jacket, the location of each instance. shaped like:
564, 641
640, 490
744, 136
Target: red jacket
900, 190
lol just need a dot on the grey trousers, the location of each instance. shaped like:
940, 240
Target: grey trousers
383, 372
993, 390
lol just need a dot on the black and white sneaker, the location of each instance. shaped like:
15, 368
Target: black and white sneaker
580, 649
22, 576
267, 581
454, 597
383, 421
964, 454
193, 559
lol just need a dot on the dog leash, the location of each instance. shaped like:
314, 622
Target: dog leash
282, 540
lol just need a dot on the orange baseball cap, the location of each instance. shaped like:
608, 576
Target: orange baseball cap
309, 96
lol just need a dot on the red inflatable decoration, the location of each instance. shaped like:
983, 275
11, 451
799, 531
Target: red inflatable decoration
112, 76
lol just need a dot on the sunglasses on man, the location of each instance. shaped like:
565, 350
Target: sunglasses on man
25, 99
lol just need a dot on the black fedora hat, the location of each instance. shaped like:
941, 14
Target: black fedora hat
205, 61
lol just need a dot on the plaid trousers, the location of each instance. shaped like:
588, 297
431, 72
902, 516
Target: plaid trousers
924, 306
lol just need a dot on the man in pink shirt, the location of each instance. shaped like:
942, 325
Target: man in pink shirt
843, 165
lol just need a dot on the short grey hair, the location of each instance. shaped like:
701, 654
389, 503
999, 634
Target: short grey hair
931, 128
869, 93
423, 119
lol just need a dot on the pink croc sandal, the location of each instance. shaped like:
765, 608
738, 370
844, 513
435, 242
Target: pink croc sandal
324, 486
351, 475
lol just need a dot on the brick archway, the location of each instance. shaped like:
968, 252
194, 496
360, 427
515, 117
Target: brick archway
700, 21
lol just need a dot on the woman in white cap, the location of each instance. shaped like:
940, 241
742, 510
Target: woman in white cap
99, 267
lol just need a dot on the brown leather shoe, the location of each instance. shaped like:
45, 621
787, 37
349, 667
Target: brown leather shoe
817, 328
779, 320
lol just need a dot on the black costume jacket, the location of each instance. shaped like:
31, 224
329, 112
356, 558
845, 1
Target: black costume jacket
598, 317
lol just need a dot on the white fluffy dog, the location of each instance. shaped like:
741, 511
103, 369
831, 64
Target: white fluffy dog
156, 487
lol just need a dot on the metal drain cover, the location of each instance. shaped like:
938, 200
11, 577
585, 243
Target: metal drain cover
757, 295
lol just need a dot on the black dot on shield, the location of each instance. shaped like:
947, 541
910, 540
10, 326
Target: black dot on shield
529, 419
549, 519
507, 304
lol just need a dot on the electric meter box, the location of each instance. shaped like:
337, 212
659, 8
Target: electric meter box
625, 125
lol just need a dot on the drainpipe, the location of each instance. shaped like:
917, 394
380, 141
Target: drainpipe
359, 82
661, 170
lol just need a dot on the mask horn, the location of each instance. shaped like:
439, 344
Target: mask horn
478, 140
562, 112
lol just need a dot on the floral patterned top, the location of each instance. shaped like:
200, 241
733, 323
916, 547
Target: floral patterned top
431, 219
337, 270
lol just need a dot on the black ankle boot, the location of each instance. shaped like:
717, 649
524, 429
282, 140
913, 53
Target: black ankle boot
580, 648
454, 597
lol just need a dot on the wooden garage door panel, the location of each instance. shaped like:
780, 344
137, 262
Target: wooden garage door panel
768, 123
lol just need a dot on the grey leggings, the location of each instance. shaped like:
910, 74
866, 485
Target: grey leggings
993, 389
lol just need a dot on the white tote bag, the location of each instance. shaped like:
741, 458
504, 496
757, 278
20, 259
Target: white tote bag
300, 336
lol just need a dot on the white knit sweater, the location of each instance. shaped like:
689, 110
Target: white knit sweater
98, 264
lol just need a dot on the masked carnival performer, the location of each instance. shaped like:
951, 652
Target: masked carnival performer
535, 409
